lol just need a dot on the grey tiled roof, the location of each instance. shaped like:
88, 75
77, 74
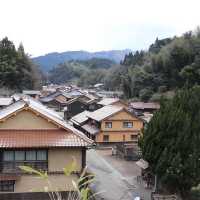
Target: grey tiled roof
104, 112
44, 111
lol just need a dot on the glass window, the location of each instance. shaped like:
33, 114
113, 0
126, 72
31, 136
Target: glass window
19, 155
8, 155
127, 124
31, 155
41, 155
106, 138
108, 124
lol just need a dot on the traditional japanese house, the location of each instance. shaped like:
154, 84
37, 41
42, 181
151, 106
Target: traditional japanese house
142, 107
32, 93
57, 100
79, 122
32, 135
112, 101
80, 104
110, 124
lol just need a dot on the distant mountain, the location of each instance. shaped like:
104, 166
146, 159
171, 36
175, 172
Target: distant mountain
48, 61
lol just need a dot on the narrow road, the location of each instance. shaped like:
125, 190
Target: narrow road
110, 183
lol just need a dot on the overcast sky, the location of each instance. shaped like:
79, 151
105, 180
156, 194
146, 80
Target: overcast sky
45, 26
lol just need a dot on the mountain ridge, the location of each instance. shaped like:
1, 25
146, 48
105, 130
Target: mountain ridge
50, 60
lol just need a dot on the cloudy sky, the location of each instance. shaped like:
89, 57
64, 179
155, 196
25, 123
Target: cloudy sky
59, 25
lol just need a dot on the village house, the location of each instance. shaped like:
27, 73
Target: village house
73, 93
80, 120
80, 104
56, 100
109, 124
112, 101
32, 93
35, 136
144, 107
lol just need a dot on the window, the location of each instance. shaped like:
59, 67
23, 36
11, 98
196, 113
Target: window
19, 155
108, 124
8, 156
7, 186
106, 138
134, 137
34, 158
127, 124
31, 155
42, 155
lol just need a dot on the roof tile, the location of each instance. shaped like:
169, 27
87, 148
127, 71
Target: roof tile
39, 138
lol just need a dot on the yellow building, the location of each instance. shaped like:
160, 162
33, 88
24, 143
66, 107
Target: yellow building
109, 124
31, 134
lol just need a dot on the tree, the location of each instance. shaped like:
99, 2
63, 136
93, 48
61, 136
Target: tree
145, 94
8, 56
191, 73
17, 72
171, 142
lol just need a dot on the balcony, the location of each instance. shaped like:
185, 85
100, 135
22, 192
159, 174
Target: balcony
13, 167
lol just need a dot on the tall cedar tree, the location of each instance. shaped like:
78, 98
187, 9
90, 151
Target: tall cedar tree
171, 142
17, 72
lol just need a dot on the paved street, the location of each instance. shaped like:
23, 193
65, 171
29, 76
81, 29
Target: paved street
115, 178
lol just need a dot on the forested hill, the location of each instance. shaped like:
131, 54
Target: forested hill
82, 72
48, 61
169, 64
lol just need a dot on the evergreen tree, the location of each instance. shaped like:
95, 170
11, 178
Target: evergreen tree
17, 72
171, 142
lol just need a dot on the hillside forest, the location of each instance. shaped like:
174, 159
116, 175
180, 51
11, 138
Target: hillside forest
166, 66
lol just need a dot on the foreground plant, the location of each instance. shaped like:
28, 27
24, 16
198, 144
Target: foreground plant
81, 190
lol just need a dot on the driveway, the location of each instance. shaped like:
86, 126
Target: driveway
115, 179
